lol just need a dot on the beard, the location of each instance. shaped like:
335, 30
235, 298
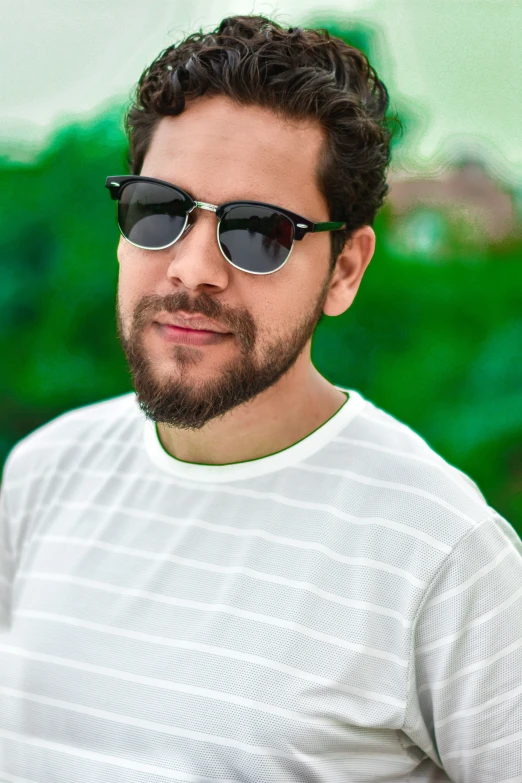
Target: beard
178, 401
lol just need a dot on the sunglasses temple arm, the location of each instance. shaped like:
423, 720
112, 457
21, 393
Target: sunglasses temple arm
335, 226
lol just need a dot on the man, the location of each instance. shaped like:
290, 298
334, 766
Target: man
242, 572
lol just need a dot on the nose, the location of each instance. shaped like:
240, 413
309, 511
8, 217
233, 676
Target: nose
195, 260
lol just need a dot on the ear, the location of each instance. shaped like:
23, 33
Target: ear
350, 267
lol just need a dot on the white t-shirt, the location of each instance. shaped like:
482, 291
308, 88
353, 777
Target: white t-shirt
346, 610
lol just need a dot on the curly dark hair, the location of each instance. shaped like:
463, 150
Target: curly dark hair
298, 73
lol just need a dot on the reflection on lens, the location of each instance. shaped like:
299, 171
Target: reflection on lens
256, 239
151, 215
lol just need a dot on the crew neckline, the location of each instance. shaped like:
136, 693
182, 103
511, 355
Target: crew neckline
260, 466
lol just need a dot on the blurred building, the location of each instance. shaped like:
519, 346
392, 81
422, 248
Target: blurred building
466, 205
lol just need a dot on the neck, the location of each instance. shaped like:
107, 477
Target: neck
274, 420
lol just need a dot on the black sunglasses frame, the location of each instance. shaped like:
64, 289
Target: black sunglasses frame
301, 225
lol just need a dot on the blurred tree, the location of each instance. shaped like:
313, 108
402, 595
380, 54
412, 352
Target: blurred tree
58, 274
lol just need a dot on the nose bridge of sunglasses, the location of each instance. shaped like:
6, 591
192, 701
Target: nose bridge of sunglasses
206, 205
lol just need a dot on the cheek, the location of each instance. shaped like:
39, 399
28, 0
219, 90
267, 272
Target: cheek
131, 288
137, 274
126, 294
303, 281
280, 305
123, 253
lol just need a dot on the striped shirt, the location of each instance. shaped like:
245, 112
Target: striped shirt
348, 609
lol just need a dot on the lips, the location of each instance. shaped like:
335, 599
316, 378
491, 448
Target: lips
187, 329
195, 323
176, 334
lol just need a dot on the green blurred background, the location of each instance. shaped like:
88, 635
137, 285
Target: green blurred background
434, 336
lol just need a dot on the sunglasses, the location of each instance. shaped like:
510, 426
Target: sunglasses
253, 236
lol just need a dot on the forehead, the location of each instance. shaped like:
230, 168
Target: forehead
219, 151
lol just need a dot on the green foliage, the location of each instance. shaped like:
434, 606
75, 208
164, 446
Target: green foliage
432, 339
58, 273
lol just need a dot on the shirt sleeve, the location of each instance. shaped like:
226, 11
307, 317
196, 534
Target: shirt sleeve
464, 706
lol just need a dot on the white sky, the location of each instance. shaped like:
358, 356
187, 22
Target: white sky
457, 63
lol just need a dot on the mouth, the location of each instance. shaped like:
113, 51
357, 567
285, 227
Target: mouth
190, 322
180, 334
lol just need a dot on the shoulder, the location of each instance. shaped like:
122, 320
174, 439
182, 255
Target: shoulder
58, 440
412, 483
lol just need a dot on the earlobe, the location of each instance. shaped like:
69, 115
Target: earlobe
352, 262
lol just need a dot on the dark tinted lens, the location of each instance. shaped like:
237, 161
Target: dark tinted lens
150, 215
256, 239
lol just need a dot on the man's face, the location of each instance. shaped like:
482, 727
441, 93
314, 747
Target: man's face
218, 151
